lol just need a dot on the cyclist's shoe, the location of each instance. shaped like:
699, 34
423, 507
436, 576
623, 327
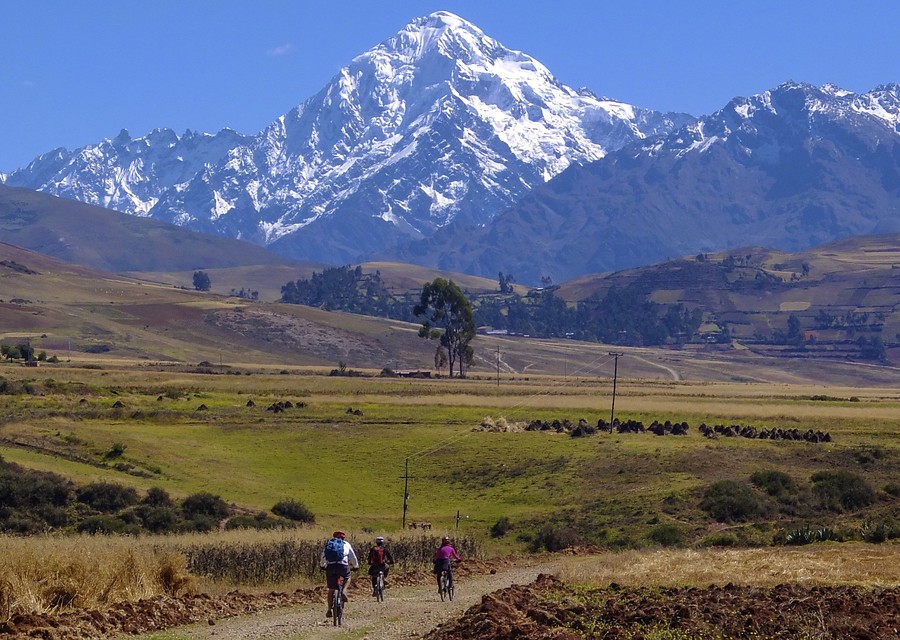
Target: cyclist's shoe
374, 592
328, 614
344, 597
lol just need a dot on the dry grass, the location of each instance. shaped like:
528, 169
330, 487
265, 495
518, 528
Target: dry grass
830, 564
51, 574
48, 575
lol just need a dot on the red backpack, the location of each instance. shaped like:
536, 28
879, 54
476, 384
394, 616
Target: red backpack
376, 556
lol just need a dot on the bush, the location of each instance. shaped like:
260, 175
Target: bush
892, 489
107, 497
808, 535
880, 530
501, 527
157, 497
159, 518
841, 490
107, 524
294, 510
260, 521
730, 501
554, 538
204, 504
667, 535
775, 483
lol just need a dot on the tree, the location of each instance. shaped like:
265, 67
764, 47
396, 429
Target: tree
201, 281
448, 317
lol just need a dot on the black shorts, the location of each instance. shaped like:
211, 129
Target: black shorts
335, 571
441, 565
375, 568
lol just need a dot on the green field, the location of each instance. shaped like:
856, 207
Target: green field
347, 468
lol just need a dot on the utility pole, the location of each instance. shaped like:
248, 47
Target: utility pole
612, 413
405, 492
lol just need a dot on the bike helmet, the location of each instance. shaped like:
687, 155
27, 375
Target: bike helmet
339, 534
379, 541
445, 540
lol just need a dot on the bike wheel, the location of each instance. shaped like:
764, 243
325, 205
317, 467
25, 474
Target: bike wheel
338, 607
450, 589
442, 589
379, 588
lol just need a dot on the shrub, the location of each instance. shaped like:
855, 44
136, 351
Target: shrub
730, 501
159, 518
807, 535
501, 527
107, 497
204, 504
841, 490
667, 535
157, 497
294, 510
554, 538
892, 489
880, 530
775, 483
260, 521
107, 524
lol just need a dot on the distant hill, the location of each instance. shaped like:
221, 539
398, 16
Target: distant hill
89, 316
107, 240
839, 293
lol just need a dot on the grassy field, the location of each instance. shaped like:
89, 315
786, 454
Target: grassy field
342, 448
253, 457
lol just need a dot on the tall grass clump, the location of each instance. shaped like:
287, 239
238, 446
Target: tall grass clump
44, 574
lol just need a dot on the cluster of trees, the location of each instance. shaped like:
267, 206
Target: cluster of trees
202, 281
623, 316
22, 351
348, 289
35, 501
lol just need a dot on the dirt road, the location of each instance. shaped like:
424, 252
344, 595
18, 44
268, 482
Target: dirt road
407, 612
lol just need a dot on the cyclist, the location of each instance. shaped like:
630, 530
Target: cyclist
379, 559
338, 558
442, 557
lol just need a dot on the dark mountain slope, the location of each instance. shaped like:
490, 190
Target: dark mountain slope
107, 240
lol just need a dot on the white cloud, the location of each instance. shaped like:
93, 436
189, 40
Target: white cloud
281, 50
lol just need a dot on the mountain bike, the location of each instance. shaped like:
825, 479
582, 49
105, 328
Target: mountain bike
379, 587
445, 584
337, 603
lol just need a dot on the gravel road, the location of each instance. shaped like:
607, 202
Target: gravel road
407, 612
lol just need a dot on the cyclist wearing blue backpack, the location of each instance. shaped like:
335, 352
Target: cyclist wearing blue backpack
337, 558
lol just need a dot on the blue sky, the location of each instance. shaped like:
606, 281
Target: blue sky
73, 73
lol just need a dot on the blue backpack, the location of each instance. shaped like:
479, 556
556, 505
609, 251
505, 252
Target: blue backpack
334, 550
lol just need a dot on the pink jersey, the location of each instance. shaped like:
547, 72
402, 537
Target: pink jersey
446, 552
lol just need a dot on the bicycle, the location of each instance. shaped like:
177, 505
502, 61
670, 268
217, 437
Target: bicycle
379, 587
337, 603
445, 585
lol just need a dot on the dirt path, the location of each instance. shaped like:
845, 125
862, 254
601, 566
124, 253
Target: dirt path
407, 612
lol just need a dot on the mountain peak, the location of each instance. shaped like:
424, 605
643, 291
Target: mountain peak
443, 33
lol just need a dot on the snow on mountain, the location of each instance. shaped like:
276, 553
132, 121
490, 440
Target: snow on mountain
439, 122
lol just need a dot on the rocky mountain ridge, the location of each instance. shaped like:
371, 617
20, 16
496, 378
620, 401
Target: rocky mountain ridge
438, 123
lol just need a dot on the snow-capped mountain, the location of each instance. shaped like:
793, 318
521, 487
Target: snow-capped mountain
438, 123
790, 168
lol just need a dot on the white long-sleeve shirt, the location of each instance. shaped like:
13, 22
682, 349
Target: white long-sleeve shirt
348, 559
